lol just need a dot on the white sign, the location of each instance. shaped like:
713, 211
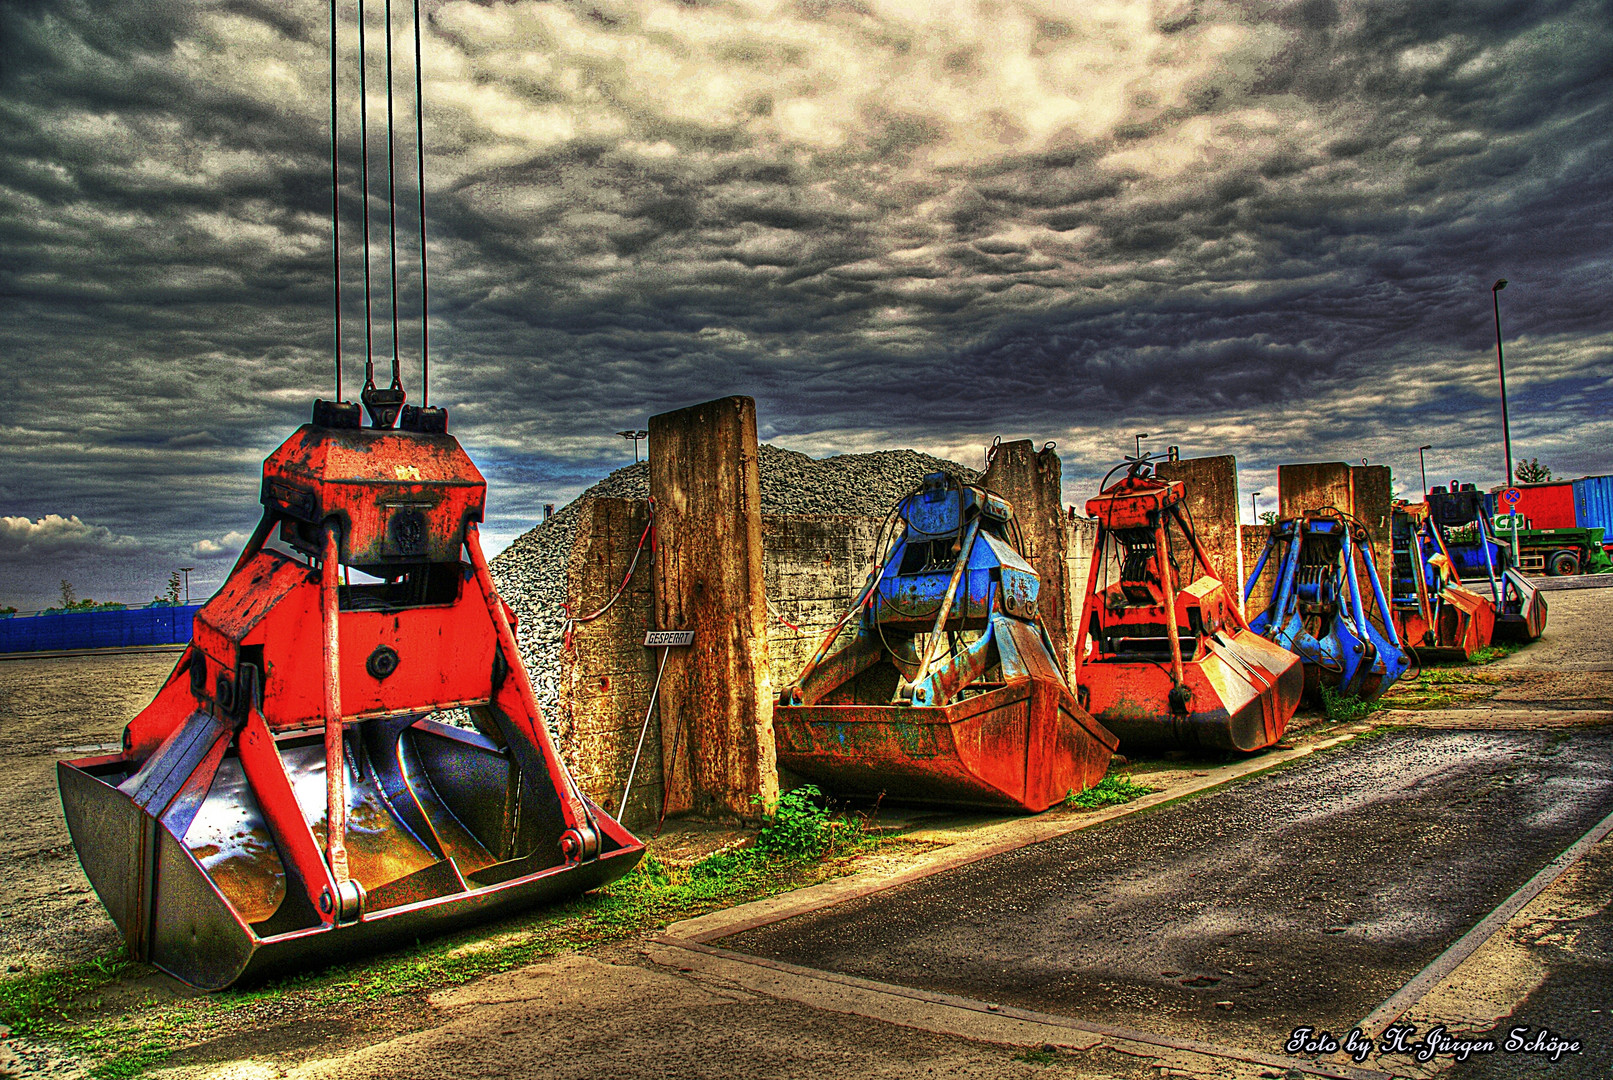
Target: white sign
658, 638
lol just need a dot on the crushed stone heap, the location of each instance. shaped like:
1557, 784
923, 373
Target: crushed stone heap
530, 573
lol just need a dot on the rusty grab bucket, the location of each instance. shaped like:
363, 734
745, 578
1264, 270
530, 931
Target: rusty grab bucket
948, 692
287, 799
1160, 661
1439, 619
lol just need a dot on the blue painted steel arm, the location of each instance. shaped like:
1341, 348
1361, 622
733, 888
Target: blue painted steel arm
1383, 603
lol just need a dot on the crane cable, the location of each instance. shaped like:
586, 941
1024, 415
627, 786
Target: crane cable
392, 200
420, 159
364, 182
335, 208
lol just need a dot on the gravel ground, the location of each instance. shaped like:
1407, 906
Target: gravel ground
530, 573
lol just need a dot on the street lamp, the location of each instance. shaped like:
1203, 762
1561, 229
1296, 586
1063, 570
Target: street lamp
1254, 513
1423, 468
635, 436
186, 571
1140, 439
1501, 367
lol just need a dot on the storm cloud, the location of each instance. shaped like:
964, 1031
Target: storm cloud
1266, 229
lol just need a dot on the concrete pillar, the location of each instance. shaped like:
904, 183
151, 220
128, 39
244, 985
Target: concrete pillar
1254, 542
716, 697
1030, 480
607, 673
1212, 504
1303, 488
1083, 533
1360, 490
1373, 488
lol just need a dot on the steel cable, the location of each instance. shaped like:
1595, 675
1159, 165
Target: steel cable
420, 159
391, 200
364, 181
335, 207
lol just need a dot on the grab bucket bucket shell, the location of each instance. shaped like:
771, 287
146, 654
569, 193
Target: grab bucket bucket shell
205, 893
1244, 690
1020, 746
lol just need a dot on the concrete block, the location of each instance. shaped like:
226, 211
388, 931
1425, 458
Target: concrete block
1211, 486
1031, 480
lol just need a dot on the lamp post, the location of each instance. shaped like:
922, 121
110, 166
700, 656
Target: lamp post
635, 435
1421, 467
186, 571
1254, 513
1501, 368
1140, 439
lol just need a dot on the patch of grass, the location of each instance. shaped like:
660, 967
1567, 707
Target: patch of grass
1443, 687
1110, 791
132, 1062
35, 1003
1375, 733
1046, 1054
1489, 654
799, 828
1341, 708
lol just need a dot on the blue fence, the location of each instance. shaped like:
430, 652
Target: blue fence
49, 631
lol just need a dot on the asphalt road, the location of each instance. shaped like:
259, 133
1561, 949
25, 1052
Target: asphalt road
1306, 896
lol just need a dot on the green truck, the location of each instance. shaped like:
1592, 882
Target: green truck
1559, 552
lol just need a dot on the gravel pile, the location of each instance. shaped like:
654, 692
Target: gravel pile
530, 573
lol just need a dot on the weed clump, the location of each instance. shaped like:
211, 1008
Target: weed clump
1344, 708
799, 829
1489, 654
1110, 791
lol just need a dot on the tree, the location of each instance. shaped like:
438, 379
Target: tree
171, 596
69, 596
1532, 472
1269, 517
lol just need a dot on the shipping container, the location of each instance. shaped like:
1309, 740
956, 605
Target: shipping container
52, 631
1593, 503
1548, 506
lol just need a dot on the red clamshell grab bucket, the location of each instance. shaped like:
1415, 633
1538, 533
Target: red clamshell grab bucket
301, 702
1169, 663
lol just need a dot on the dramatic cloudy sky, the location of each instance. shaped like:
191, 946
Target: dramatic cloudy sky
1263, 228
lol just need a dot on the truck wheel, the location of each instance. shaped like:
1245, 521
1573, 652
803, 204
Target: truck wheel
1565, 564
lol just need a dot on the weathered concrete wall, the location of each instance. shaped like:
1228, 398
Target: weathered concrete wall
1211, 485
1314, 486
814, 565
1031, 481
1078, 558
1372, 487
607, 673
717, 696
1254, 542
1361, 490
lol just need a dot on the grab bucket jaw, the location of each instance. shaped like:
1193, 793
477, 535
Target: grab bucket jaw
287, 799
1163, 663
948, 692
